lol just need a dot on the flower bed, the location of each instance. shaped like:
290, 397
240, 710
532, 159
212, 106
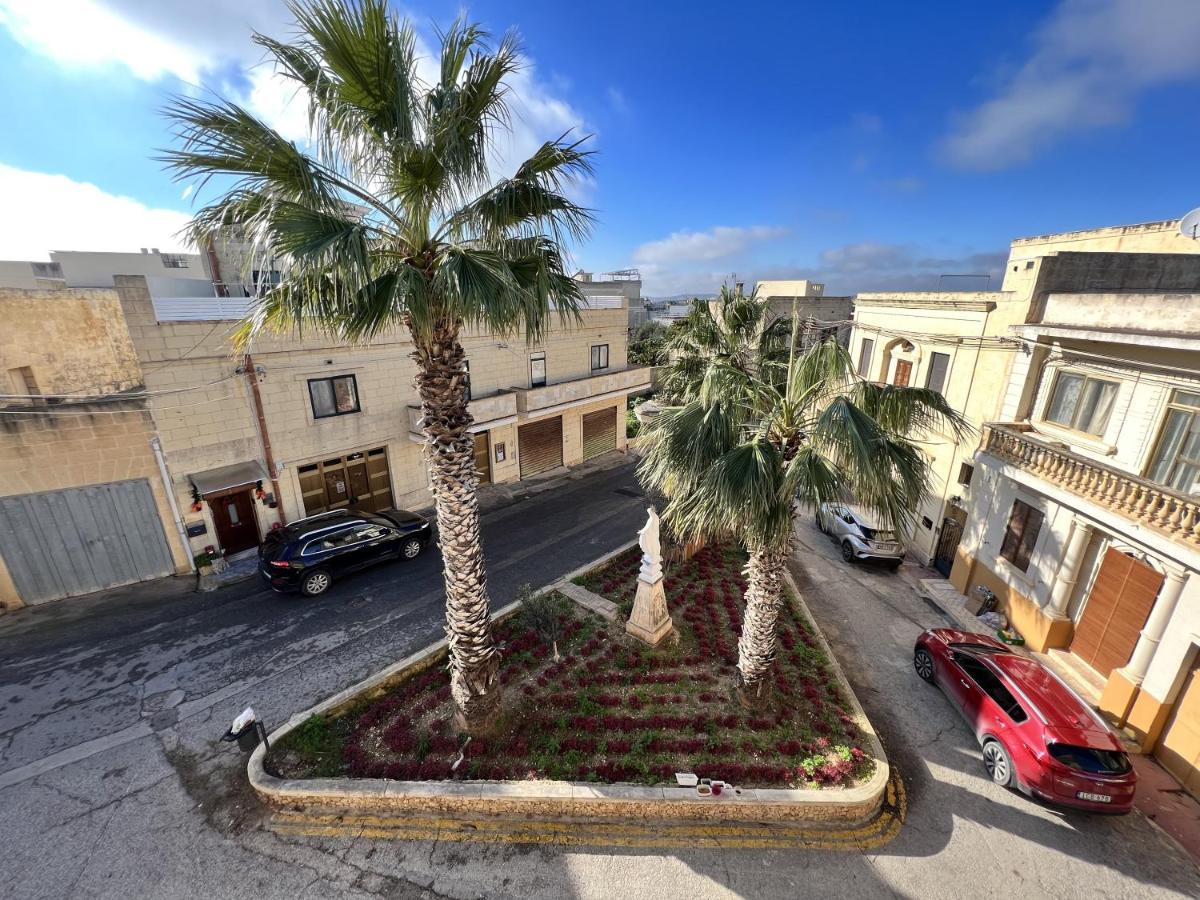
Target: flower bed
611, 709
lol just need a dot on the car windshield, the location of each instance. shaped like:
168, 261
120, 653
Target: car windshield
1088, 759
979, 648
877, 534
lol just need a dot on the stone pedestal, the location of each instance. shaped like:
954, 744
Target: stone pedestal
649, 621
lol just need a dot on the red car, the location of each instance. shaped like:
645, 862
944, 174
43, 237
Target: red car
1036, 733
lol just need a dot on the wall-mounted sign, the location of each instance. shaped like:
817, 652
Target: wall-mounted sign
500, 452
195, 529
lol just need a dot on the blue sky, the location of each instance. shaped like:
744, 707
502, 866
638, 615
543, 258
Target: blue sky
870, 146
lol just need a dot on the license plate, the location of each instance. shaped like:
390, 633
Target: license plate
1095, 798
886, 548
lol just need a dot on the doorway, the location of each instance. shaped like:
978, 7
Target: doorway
354, 481
233, 518
903, 373
951, 533
1117, 606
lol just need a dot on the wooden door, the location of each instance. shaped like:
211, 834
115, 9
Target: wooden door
233, 516
361, 480
483, 457
1179, 748
540, 446
599, 432
1117, 606
360, 484
903, 372
337, 490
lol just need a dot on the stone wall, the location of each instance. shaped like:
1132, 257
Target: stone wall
74, 341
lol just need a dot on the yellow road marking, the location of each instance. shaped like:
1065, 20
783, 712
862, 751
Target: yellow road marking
751, 835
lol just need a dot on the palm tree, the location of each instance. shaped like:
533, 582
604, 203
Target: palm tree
389, 217
759, 433
737, 329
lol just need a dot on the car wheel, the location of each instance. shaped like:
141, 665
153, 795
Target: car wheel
894, 565
847, 552
315, 583
997, 762
411, 548
923, 663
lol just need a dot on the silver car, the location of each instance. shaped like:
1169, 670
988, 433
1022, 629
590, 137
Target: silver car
854, 530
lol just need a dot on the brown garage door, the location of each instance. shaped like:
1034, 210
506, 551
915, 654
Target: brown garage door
356, 480
1179, 749
540, 446
599, 432
1115, 612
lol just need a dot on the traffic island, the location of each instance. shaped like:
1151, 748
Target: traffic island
600, 733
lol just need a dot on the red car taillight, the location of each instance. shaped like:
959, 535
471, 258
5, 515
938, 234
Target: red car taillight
278, 563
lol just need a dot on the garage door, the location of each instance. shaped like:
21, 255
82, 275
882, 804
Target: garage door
599, 432
1179, 748
1116, 610
540, 446
66, 543
358, 480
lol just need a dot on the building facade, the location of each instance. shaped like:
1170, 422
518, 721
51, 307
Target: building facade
1085, 518
84, 504
962, 343
823, 316
303, 424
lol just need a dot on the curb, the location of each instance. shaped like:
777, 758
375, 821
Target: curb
542, 800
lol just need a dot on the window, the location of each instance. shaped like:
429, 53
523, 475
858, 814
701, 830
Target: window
537, 369
1081, 402
865, 350
939, 363
264, 280
333, 396
174, 261
23, 381
965, 473
599, 356
991, 685
1176, 461
1021, 534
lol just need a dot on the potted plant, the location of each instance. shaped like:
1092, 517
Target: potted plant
197, 505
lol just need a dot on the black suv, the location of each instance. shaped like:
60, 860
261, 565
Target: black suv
305, 556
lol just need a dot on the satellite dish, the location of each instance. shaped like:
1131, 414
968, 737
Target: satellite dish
1189, 225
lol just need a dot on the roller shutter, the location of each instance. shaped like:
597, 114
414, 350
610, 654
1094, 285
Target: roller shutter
540, 446
599, 432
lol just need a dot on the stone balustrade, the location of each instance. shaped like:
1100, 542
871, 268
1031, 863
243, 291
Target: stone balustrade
1161, 508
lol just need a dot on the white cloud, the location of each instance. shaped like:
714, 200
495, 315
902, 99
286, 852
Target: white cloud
698, 261
1090, 62
702, 246
89, 34
52, 212
198, 42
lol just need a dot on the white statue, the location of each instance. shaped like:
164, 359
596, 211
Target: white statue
648, 540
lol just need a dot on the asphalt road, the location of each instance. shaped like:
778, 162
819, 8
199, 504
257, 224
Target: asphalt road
113, 784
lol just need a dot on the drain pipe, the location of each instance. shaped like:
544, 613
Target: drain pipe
261, 417
156, 446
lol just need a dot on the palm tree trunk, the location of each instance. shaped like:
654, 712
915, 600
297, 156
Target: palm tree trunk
760, 622
474, 659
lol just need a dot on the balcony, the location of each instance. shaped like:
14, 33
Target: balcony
489, 411
540, 400
1173, 514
